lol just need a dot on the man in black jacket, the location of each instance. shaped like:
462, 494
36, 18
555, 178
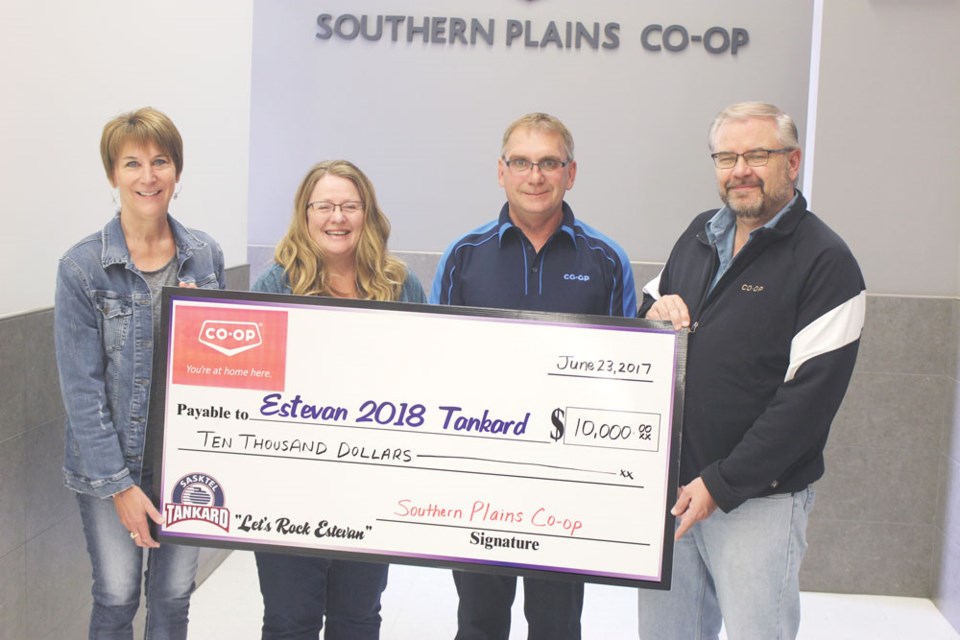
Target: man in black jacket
774, 302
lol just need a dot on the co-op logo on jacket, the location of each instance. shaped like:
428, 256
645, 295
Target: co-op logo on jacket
230, 338
197, 496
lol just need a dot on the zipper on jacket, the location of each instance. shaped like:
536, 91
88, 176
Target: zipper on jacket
706, 291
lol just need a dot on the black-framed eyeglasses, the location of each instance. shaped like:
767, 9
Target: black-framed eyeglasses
323, 206
753, 158
546, 165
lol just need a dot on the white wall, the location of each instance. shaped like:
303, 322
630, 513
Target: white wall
887, 155
67, 68
425, 120
431, 118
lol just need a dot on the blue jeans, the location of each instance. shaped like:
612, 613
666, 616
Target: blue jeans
298, 591
740, 569
552, 607
117, 577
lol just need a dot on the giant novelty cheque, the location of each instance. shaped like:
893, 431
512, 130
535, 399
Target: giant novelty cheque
503, 441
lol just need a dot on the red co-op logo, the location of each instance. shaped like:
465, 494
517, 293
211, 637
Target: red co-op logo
230, 338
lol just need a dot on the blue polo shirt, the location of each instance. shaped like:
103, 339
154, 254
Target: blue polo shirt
579, 270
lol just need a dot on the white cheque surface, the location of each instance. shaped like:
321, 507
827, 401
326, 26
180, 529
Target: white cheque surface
426, 437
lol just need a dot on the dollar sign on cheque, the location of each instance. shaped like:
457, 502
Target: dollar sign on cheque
557, 419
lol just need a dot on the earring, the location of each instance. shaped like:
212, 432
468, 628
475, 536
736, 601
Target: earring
176, 192
115, 196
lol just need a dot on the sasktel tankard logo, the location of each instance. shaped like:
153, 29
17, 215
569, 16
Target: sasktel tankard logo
229, 346
197, 496
230, 338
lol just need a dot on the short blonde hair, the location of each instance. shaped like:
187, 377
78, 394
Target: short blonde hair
544, 122
140, 127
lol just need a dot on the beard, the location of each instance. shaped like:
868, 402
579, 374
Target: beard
764, 205
747, 209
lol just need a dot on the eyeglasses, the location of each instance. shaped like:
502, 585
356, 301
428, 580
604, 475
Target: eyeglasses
547, 165
753, 158
322, 206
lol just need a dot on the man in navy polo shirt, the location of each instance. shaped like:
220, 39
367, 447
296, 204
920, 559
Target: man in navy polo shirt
534, 256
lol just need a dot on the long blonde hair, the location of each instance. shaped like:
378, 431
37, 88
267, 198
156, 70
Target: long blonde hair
380, 276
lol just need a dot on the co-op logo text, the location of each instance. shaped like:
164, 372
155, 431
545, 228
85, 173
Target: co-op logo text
230, 338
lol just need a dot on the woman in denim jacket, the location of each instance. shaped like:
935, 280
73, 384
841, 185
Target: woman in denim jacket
336, 246
106, 325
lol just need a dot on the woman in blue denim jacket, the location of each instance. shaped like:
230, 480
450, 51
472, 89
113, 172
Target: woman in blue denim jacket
106, 325
336, 246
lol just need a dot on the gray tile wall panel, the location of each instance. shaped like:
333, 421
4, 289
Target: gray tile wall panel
868, 557
883, 473
951, 433
423, 264
74, 627
909, 335
13, 595
42, 400
950, 436
871, 484
12, 490
238, 278
13, 362
48, 500
893, 410
644, 272
58, 575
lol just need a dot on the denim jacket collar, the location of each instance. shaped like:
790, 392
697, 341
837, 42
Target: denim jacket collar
115, 249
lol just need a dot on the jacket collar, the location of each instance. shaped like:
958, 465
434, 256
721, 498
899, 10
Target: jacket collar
115, 249
791, 219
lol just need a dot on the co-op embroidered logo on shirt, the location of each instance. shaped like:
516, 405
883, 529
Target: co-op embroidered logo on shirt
230, 338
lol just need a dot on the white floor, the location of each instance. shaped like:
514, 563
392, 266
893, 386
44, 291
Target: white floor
420, 604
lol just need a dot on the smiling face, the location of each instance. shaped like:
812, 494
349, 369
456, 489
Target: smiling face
535, 197
336, 232
146, 178
755, 193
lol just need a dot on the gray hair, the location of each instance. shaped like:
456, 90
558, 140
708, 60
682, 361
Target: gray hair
786, 127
